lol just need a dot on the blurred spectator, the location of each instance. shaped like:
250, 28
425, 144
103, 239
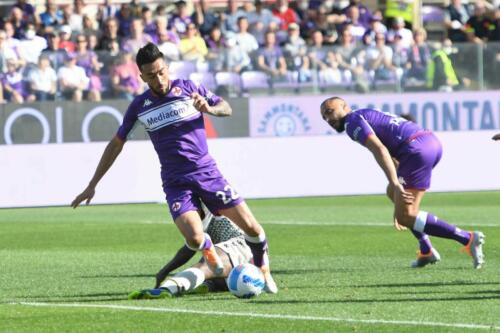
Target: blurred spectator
110, 35
479, 26
19, 25
217, 45
168, 46
296, 54
245, 40
441, 74
148, 21
6, 52
181, 18
89, 26
398, 28
323, 62
27, 9
204, 17
52, 15
376, 26
229, 18
419, 57
455, 16
400, 56
237, 58
160, 10
285, 14
30, 48
105, 11
66, 43
72, 79
192, 46
11, 41
90, 63
399, 8
125, 78
124, 17
364, 14
259, 20
352, 18
271, 60
14, 87
53, 52
92, 41
43, 80
346, 50
379, 60
318, 19
137, 37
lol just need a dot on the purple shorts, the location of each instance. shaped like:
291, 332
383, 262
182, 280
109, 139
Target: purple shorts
185, 193
417, 159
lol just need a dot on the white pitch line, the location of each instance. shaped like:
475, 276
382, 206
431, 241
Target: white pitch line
262, 315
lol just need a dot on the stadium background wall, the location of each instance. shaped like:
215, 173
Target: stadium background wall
52, 174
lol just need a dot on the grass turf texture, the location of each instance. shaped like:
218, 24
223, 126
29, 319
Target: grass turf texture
330, 270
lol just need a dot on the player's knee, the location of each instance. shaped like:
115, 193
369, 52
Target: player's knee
196, 241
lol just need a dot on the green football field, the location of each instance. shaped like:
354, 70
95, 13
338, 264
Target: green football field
340, 266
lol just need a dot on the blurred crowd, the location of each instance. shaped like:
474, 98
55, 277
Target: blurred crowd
78, 51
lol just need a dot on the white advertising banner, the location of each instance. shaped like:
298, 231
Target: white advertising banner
300, 115
53, 174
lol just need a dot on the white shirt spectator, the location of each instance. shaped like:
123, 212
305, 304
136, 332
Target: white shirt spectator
406, 36
247, 42
74, 76
42, 80
30, 49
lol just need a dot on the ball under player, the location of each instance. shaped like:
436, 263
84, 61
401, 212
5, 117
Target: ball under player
172, 113
199, 278
417, 152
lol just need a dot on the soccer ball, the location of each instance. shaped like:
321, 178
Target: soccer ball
245, 281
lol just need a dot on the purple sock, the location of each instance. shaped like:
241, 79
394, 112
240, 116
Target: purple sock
423, 240
440, 228
259, 252
208, 243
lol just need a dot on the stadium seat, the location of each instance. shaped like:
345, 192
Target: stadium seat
207, 79
230, 81
254, 79
181, 69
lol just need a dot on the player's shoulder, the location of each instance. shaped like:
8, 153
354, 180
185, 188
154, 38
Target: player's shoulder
184, 84
141, 100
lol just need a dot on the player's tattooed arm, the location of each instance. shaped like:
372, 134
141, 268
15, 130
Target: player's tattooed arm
221, 109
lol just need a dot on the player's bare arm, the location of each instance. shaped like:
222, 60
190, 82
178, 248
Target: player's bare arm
109, 155
385, 161
221, 109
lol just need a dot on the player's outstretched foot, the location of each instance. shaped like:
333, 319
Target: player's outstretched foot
213, 260
425, 259
270, 287
475, 248
151, 294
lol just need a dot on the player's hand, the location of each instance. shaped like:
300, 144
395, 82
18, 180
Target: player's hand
402, 193
200, 103
87, 194
496, 137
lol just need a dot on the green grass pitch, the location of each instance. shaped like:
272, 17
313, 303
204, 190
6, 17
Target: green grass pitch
340, 266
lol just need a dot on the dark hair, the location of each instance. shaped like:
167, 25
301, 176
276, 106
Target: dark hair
147, 54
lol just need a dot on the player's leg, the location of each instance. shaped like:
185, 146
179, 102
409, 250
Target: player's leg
184, 208
416, 174
222, 199
255, 238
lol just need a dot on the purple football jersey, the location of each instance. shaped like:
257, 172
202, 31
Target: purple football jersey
175, 127
393, 131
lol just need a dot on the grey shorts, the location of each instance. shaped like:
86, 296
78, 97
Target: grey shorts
237, 250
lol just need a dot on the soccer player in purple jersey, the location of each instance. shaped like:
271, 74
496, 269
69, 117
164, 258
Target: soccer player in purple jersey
417, 151
172, 113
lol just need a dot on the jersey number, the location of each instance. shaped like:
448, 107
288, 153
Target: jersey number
225, 199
